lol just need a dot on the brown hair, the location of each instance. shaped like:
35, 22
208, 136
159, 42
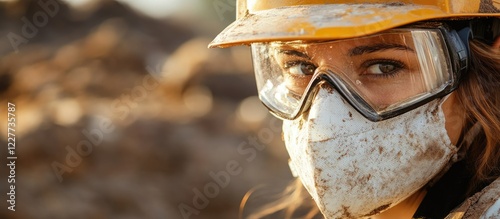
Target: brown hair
478, 95
294, 202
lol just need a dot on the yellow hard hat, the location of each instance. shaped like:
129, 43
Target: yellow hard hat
270, 20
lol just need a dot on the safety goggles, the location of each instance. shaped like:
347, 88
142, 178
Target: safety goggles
381, 76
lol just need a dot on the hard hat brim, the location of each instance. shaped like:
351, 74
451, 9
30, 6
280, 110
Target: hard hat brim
330, 21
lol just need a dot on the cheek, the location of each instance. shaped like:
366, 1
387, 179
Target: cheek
455, 118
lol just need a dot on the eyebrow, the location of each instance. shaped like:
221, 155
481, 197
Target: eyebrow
292, 52
360, 50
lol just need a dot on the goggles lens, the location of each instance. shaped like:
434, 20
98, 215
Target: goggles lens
379, 74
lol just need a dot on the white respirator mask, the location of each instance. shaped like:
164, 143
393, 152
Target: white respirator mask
355, 168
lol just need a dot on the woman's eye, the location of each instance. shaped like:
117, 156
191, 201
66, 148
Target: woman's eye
383, 67
300, 68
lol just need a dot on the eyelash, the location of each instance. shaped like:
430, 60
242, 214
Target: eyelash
289, 64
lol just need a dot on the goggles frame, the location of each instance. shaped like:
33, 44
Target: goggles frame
456, 46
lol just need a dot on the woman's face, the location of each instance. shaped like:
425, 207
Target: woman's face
341, 157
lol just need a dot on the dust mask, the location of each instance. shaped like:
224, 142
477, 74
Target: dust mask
355, 168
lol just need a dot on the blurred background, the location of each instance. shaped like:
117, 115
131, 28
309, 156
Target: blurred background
123, 112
